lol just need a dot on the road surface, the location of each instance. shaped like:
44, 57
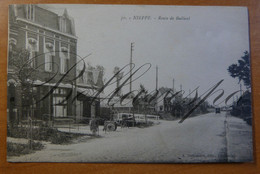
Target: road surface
206, 138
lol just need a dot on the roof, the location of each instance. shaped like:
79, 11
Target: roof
45, 16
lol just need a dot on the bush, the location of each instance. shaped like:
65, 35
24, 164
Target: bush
248, 120
15, 149
61, 138
43, 134
143, 125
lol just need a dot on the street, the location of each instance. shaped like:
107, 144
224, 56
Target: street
206, 138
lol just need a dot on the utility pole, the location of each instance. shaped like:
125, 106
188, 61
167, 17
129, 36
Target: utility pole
75, 103
173, 85
156, 78
131, 65
156, 88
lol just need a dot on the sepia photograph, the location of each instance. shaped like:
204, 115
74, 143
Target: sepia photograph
128, 84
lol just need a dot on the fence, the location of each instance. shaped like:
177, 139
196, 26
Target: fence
141, 118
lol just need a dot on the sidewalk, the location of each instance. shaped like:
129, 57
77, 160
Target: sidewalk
239, 140
17, 140
85, 129
81, 129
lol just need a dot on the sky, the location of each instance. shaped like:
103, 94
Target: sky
194, 52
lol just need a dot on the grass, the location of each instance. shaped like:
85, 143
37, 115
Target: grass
16, 149
43, 134
40, 134
144, 125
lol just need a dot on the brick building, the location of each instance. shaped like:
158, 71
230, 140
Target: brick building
51, 44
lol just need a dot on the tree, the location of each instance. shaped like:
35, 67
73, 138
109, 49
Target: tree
241, 70
141, 101
143, 89
24, 74
100, 81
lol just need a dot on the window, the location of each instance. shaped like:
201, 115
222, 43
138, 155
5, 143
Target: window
48, 62
49, 53
59, 109
12, 44
64, 60
56, 91
63, 24
32, 48
95, 75
32, 55
80, 108
60, 91
30, 12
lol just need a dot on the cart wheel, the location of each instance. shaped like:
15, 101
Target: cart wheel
111, 127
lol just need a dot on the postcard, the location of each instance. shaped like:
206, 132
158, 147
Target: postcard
128, 84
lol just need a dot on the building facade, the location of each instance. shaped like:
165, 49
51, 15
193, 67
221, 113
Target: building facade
88, 85
50, 44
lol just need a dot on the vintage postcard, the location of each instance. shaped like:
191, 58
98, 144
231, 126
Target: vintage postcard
128, 83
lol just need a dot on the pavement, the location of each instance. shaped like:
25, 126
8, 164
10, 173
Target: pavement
239, 140
82, 129
206, 138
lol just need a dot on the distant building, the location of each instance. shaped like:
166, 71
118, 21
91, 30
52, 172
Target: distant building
87, 87
164, 101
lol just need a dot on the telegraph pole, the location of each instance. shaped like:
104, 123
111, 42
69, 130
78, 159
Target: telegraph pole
131, 63
156, 78
156, 88
173, 85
